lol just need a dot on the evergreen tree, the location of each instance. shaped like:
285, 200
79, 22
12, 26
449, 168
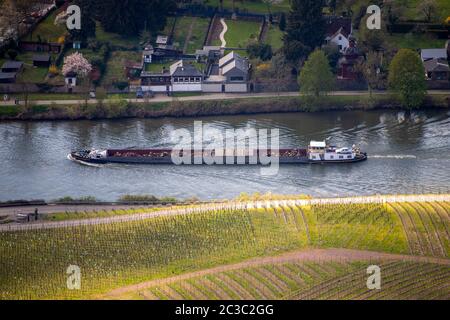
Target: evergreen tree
88, 25
282, 24
305, 29
129, 17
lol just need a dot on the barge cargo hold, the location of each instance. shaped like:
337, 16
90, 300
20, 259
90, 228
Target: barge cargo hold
317, 152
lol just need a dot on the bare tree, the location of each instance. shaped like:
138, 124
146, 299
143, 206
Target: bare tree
428, 9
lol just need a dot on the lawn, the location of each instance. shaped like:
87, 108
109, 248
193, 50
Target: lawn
158, 67
47, 30
199, 33
241, 33
412, 11
274, 37
115, 39
87, 53
255, 6
115, 69
190, 33
415, 41
31, 74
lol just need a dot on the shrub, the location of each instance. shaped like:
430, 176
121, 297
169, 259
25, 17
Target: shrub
260, 50
12, 54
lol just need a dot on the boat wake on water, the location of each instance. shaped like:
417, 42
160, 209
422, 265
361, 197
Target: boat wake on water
393, 156
96, 165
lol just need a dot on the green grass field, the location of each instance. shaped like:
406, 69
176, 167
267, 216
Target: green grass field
415, 41
115, 39
33, 263
241, 33
47, 30
115, 68
255, 6
189, 33
274, 37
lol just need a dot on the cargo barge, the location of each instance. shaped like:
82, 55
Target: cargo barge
317, 152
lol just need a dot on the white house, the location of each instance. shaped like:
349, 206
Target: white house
338, 31
71, 79
185, 77
229, 75
181, 77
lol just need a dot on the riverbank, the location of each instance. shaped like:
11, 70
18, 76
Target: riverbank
207, 106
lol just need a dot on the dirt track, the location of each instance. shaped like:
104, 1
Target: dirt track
227, 205
314, 255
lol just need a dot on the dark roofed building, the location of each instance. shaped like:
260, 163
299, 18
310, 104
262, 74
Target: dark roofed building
335, 24
42, 60
185, 77
437, 69
8, 77
12, 66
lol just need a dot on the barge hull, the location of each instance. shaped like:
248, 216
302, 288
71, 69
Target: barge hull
168, 160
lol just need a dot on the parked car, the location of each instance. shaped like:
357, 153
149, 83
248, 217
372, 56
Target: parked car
139, 94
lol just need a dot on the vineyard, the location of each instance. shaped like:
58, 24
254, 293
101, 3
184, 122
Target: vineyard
33, 262
298, 280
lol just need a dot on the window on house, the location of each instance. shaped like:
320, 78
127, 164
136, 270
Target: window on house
340, 47
186, 79
192, 79
175, 79
349, 157
236, 78
340, 37
331, 157
341, 157
197, 79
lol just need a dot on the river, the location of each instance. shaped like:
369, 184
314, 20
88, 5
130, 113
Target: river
408, 153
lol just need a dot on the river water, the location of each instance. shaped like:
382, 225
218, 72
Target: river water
408, 153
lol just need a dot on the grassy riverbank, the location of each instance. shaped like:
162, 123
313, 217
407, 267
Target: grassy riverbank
124, 109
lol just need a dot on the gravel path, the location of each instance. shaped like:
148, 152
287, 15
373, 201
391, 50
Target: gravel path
226, 206
314, 255
222, 34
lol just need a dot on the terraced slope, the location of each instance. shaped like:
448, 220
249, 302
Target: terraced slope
33, 262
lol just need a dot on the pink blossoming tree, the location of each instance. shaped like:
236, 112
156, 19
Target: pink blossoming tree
76, 63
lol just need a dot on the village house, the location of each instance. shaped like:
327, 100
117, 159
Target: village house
156, 81
9, 71
8, 77
338, 31
12, 66
42, 60
437, 69
230, 74
438, 53
435, 62
182, 76
185, 77
71, 79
